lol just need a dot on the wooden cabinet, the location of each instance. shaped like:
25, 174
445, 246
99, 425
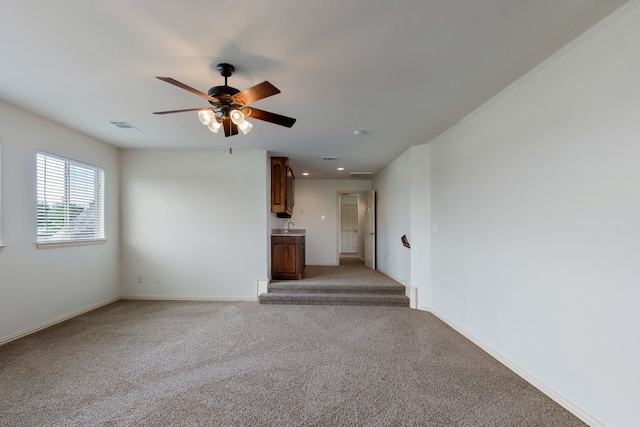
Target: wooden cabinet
287, 257
282, 187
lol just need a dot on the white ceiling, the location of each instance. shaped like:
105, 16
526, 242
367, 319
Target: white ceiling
403, 71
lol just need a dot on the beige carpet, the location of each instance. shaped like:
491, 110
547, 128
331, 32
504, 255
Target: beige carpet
351, 271
167, 363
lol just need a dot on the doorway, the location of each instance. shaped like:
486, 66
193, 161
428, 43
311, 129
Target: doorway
356, 240
348, 224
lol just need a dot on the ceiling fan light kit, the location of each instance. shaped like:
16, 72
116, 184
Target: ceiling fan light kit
229, 105
245, 127
214, 125
206, 116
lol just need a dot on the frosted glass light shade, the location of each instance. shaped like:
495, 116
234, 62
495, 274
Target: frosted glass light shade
206, 116
214, 125
237, 117
245, 127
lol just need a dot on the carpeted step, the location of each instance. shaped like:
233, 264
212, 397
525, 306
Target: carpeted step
298, 287
333, 298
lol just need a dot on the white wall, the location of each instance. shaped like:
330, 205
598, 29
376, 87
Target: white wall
393, 218
420, 235
403, 208
197, 220
316, 198
537, 201
39, 286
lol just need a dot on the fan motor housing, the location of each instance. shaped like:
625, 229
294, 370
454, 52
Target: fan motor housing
224, 94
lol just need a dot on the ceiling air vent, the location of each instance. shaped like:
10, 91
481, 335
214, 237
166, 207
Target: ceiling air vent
360, 174
329, 158
124, 125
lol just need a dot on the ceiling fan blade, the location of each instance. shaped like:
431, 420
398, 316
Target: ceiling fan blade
230, 128
181, 111
257, 92
277, 119
185, 87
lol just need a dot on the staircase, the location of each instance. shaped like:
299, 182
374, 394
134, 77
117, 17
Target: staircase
289, 293
348, 284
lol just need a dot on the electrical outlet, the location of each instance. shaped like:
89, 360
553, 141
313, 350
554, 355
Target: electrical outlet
156, 279
139, 280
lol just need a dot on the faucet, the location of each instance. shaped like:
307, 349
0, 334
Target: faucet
289, 224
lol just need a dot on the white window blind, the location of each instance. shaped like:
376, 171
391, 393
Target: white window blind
70, 200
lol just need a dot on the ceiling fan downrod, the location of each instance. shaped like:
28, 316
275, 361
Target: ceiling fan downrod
224, 94
226, 70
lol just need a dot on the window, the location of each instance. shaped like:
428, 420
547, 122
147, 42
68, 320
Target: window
70, 200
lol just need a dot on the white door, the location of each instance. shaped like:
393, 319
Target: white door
370, 229
349, 229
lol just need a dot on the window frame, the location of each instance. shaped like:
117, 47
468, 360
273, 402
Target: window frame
65, 184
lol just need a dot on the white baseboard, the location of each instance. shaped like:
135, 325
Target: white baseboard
262, 286
56, 321
321, 264
187, 298
410, 292
552, 394
413, 296
60, 319
390, 276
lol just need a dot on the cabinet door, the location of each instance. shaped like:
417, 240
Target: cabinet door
284, 258
290, 191
287, 257
279, 173
282, 187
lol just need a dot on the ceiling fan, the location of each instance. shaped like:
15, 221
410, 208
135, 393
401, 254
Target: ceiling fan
230, 107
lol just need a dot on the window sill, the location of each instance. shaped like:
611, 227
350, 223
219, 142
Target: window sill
64, 244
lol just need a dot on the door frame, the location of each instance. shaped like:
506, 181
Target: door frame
339, 193
370, 233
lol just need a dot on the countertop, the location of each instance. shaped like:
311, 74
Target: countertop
291, 232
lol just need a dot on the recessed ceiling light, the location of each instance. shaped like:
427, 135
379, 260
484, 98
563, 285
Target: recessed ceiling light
340, 169
305, 173
358, 132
